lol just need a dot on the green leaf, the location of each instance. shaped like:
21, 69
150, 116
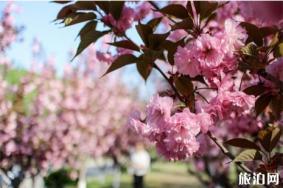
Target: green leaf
87, 39
250, 49
126, 44
278, 51
255, 90
175, 10
116, 8
78, 18
121, 61
184, 85
262, 102
242, 143
248, 155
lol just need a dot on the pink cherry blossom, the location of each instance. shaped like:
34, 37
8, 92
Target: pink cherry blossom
210, 54
227, 102
158, 110
234, 37
178, 140
124, 22
186, 60
142, 11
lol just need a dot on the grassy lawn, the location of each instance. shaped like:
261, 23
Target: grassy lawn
162, 175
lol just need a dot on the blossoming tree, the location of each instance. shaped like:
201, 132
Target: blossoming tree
49, 121
223, 65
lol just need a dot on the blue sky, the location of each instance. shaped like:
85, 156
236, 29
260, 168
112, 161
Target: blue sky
37, 18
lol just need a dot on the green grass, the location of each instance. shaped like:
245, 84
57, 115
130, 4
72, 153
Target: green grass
13, 76
162, 175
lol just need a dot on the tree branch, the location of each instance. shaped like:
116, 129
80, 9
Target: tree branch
169, 81
226, 152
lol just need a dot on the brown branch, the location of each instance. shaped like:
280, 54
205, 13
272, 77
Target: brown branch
226, 152
199, 177
169, 81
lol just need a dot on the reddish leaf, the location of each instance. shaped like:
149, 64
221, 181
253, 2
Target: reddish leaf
255, 90
116, 8
144, 67
242, 143
87, 28
144, 31
275, 137
155, 41
78, 18
85, 5
175, 10
87, 39
204, 8
253, 33
265, 137
184, 85
103, 5
121, 61
262, 102
61, 2
66, 11
184, 24
126, 44
154, 23
276, 106
277, 159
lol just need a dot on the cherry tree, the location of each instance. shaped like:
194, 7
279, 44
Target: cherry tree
49, 121
223, 66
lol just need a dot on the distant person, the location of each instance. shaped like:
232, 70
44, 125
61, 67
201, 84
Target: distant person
140, 163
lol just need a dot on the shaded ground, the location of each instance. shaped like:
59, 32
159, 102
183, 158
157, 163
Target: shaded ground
162, 175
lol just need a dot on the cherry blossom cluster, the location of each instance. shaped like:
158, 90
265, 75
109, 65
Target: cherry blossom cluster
212, 54
8, 31
50, 121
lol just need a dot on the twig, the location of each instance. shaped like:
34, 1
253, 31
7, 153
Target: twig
202, 97
199, 177
169, 81
226, 152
